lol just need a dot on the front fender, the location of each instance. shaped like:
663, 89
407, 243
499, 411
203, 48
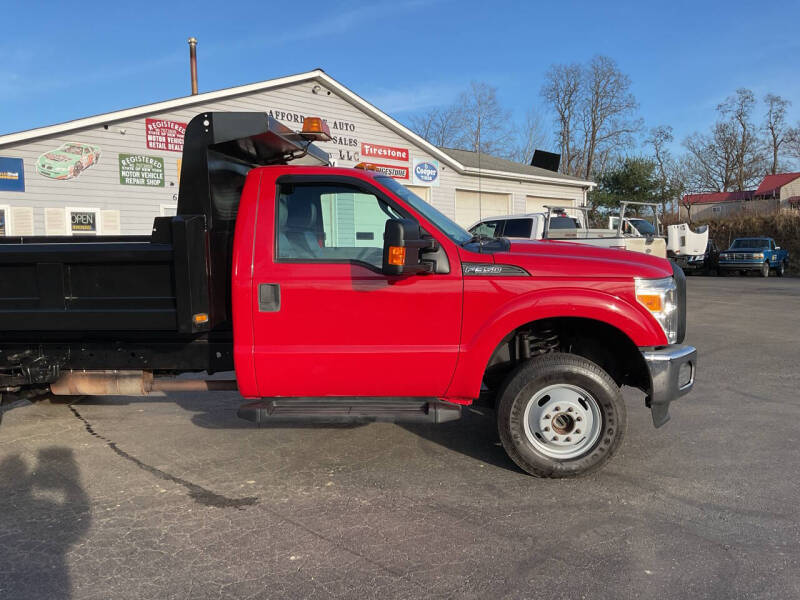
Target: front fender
632, 320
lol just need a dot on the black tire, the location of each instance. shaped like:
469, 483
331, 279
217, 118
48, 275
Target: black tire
764, 269
780, 270
530, 378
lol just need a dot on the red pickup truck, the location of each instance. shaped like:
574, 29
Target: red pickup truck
336, 293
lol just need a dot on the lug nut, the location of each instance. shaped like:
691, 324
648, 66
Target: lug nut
568, 439
579, 418
555, 438
547, 416
547, 429
558, 408
577, 431
569, 409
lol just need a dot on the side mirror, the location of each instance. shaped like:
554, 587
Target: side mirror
777, 247
403, 244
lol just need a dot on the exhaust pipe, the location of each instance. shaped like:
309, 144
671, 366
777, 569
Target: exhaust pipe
131, 383
193, 63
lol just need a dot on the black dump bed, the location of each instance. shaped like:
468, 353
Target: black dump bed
120, 283
159, 302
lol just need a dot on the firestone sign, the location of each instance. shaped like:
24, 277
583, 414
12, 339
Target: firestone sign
165, 135
389, 152
395, 171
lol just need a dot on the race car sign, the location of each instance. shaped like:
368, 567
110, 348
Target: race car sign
393, 171
390, 152
165, 135
139, 169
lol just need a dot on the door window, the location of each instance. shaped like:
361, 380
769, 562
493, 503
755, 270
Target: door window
331, 223
518, 228
488, 228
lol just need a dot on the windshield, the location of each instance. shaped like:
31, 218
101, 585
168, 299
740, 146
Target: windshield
750, 243
451, 229
644, 227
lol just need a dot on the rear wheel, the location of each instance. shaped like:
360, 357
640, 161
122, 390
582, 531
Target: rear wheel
560, 415
765, 269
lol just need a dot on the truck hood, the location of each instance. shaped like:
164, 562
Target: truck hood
566, 259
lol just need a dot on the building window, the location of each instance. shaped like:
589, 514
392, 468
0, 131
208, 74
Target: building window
169, 210
5, 216
716, 209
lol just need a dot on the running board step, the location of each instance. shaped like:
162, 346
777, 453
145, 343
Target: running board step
348, 410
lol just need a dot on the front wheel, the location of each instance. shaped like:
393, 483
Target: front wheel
765, 269
780, 270
560, 415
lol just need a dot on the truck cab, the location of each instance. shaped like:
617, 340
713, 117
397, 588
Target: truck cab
336, 293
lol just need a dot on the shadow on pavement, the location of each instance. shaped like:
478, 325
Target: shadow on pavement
44, 510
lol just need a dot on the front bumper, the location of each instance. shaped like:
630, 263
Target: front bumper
754, 265
672, 373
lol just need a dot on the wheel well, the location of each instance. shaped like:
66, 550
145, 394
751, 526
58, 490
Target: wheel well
603, 344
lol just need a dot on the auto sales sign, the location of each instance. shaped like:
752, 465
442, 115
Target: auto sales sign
425, 171
165, 135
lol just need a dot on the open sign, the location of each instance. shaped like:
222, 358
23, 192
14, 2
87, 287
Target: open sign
83, 222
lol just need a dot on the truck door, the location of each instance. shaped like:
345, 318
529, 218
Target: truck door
327, 321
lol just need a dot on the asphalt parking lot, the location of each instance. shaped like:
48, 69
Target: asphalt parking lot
175, 497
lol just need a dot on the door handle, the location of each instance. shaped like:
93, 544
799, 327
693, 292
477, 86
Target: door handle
269, 297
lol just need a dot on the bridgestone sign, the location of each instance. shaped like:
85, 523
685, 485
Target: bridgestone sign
138, 169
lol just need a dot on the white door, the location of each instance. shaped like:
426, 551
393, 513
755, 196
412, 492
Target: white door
472, 206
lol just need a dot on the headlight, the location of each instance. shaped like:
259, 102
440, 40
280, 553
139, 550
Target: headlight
659, 297
758, 255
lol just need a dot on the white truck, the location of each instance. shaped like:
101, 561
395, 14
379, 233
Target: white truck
569, 224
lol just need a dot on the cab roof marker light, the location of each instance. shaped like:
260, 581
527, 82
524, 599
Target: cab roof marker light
316, 129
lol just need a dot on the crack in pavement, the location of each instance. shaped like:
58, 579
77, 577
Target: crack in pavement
197, 493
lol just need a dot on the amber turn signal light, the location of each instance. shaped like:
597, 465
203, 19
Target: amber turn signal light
397, 255
653, 302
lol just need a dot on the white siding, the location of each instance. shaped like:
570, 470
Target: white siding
99, 186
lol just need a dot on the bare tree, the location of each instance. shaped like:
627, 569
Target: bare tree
711, 162
749, 157
669, 188
562, 90
440, 126
484, 123
776, 127
731, 156
594, 114
607, 109
531, 136
476, 121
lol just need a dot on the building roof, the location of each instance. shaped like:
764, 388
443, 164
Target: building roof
717, 197
487, 162
503, 169
773, 183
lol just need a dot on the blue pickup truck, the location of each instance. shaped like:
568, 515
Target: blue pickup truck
754, 254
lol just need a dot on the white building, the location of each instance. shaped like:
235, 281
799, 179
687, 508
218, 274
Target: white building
113, 173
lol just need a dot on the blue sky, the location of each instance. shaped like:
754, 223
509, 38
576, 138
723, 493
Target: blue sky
403, 56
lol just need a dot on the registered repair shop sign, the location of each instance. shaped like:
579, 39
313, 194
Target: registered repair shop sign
425, 171
139, 169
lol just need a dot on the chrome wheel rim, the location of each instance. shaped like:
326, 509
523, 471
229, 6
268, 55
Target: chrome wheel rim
562, 421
